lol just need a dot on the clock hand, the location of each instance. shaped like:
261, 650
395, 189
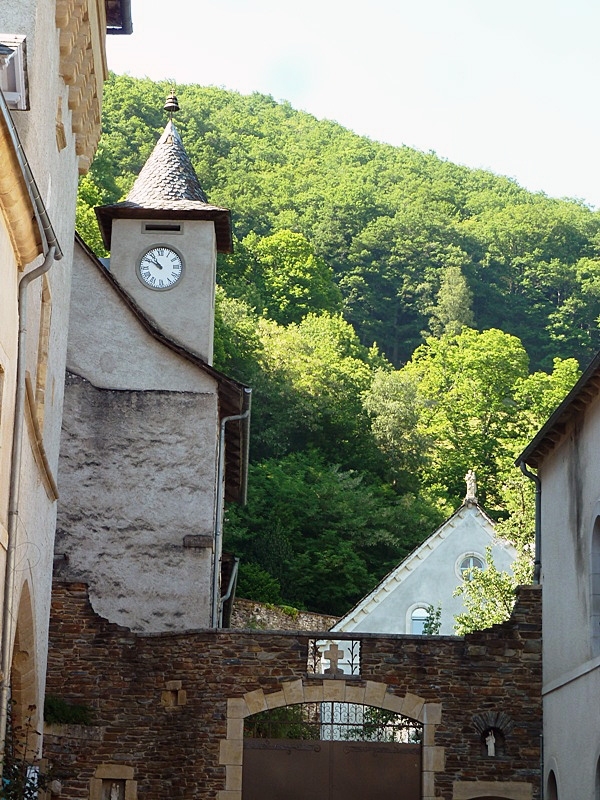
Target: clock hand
154, 261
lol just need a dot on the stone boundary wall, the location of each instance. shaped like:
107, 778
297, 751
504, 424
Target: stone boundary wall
249, 614
166, 707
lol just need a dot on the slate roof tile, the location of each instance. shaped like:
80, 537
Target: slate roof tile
167, 186
168, 175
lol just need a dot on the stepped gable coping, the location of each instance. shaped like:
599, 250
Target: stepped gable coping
168, 188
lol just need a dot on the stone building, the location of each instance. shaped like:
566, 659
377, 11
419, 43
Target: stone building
52, 69
154, 438
565, 455
428, 576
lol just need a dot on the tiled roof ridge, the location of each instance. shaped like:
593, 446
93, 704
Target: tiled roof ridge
167, 175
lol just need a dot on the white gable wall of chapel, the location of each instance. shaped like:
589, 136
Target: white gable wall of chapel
429, 577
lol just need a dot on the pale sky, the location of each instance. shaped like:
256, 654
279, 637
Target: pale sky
507, 85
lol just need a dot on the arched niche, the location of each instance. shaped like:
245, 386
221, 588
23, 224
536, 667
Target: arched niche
25, 714
551, 787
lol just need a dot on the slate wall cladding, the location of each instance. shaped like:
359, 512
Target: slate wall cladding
132, 683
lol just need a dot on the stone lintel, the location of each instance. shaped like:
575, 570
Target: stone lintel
275, 699
413, 706
116, 772
293, 691
375, 693
334, 691
509, 790
237, 708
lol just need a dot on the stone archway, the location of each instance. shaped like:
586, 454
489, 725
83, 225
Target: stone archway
311, 690
25, 714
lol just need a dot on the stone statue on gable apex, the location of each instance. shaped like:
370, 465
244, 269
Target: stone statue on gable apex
471, 496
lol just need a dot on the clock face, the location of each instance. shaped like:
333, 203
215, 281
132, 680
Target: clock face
160, 268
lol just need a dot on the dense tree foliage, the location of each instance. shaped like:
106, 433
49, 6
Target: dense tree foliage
387, 308
324, 534
391, 225
464, 401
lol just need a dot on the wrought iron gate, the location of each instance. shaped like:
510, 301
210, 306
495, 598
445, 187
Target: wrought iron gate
284, 769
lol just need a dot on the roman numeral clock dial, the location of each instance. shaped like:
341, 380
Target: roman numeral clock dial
160, 268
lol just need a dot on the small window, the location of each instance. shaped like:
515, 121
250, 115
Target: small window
469, 564
418, 619
13, 71
162, 227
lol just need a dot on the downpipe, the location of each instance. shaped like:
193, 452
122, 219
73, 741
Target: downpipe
216, 587
8, 610
537, 563
537, 576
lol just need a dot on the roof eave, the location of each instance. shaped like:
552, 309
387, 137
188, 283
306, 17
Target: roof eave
580, 396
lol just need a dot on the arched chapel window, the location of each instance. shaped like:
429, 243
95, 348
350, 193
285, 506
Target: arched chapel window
418, 620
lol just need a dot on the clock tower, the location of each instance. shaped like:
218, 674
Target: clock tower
163, 240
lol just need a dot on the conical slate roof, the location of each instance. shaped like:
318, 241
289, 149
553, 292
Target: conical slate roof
167, 175
167, 188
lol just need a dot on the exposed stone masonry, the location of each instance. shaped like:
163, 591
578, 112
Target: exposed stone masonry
176, 749
262, 616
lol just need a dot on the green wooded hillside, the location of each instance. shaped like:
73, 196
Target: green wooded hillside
388, 308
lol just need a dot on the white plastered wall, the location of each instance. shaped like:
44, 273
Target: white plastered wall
570, 502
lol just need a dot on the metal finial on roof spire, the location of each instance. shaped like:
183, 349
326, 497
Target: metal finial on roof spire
172, 106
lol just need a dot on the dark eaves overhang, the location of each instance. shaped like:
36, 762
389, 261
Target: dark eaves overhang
234, 397
118, 17
180, 210
581, 395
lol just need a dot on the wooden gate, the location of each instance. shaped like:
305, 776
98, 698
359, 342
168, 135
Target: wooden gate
283, 769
